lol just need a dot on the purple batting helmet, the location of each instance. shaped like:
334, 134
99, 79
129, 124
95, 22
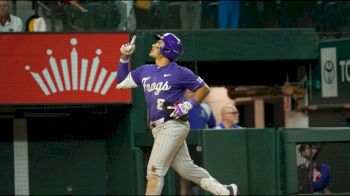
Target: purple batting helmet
172, 48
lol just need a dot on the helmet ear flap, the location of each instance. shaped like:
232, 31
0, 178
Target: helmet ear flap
166, 50
172, 48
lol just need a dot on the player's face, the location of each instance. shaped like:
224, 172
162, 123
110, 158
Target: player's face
155, 50
3, 8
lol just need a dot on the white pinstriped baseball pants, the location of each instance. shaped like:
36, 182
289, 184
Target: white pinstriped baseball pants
170, 149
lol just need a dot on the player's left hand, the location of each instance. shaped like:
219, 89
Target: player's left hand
180, 109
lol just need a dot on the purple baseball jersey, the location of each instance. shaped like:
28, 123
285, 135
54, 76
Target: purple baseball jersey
167, 83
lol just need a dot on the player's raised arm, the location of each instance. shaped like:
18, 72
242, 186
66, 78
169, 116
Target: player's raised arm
126, 51
124, 78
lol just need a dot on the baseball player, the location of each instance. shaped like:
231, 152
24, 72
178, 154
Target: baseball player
164, 82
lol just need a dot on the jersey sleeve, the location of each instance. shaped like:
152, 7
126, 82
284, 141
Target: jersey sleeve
123, 71
190, 81
136, 75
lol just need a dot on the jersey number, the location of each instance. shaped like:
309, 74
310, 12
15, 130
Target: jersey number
160, 104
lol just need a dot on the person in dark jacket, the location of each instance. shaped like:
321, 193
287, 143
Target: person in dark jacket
313, 177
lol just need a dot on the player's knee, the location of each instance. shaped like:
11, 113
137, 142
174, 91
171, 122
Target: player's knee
154, 171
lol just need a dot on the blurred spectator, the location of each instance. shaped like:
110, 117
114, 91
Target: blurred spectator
200, 116
8, 22
36, 23
230, 117
74, 3
67, 13
312, 176
209, 14
334, 16
127, 15
191, 14
143, 4
168, 13
290, 12
146, 14
229, 14
269, 13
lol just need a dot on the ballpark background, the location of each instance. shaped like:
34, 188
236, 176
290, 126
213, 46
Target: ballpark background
66, 130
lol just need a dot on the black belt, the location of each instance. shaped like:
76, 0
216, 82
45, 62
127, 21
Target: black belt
156, 123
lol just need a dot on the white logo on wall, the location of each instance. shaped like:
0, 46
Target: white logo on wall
329, 72
72, 79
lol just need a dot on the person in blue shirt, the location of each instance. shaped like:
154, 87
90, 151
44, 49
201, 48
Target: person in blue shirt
313, 177
228, 14
230, 117
200, 116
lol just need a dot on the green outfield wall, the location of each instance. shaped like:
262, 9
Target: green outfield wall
260, 161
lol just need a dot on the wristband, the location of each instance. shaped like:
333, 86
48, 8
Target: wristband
192, 101
124, 58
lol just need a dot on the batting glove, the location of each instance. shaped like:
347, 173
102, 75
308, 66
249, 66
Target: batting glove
181, 109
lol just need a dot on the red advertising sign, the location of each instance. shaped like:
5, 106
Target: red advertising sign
61, 68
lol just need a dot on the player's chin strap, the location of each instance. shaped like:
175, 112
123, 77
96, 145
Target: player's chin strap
213, 186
